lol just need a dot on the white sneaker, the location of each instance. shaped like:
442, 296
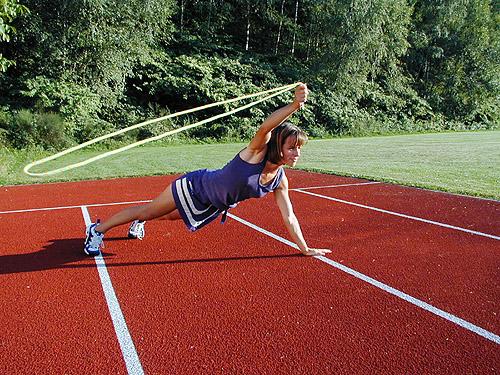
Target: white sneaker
136, 230
93, 240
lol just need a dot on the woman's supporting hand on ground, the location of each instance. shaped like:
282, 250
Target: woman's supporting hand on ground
314, 252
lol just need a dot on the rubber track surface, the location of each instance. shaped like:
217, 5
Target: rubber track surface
229, 299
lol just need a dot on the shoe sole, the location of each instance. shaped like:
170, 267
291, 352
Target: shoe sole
90, 253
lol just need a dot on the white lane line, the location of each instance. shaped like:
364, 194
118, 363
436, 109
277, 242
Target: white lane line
403, 215
129, 353
337, 186
419, 303
68, 207
299, 190
404, 186
147, 201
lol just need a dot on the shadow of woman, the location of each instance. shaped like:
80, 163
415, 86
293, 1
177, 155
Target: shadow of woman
59, 253
68, 253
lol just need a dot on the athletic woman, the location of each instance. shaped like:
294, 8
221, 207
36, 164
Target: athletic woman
201, 196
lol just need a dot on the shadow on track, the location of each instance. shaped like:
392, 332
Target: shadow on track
68, 253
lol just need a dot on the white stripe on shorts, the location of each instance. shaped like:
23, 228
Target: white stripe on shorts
194, 210
181, 193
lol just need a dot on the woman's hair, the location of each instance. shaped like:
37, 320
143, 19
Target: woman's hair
278, 137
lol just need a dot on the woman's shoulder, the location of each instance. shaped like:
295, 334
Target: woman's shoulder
252, 156
282, 181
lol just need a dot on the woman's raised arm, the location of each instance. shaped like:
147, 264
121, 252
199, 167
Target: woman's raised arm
261, 138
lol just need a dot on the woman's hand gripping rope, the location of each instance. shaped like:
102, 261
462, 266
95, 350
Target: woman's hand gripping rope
301, 93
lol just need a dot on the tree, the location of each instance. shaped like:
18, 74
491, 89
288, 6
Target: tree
76, 57
9, 10
360, 41
454, 57
93, 42
278, 37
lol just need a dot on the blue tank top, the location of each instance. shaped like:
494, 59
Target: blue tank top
236, 181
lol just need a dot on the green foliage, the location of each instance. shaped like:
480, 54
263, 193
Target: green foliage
23, 129
78, 104
374, 67
364, 45
96, 43
44, 130
455, 58
184, 82
9, 10
51, 131
5, 121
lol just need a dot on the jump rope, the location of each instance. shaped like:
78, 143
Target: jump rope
275, 92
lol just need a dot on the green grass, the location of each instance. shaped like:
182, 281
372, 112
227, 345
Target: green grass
466, 162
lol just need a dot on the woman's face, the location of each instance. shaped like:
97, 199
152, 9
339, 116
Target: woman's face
290, 151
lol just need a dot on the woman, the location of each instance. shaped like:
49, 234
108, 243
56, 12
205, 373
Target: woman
201, 196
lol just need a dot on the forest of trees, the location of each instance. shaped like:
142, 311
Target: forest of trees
73, 70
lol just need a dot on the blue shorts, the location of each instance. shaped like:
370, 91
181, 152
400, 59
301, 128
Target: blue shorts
195, 213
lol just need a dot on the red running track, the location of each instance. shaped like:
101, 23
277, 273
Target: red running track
229, 299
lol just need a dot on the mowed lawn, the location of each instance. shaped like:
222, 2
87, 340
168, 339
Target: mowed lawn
461, 162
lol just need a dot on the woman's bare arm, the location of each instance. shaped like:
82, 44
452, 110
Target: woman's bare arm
257, 145
291, 222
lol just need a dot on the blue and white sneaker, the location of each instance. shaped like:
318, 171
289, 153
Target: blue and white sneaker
136, 229
94, 240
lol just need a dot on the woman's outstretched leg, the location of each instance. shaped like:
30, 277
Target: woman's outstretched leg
161, 206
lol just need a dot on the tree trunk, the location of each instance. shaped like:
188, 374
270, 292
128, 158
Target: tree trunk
279, 28
209, 16
309, 41
248, 27
295, 23
182, 15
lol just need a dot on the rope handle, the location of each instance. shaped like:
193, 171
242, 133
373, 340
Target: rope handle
276, 91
